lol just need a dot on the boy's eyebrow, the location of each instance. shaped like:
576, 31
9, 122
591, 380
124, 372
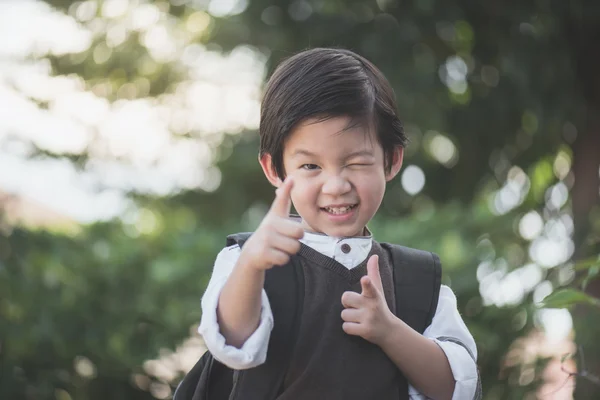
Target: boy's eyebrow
359, 153
302, 152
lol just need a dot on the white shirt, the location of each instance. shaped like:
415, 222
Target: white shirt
447, 328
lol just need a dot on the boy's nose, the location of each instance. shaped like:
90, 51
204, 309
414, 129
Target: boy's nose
336, 185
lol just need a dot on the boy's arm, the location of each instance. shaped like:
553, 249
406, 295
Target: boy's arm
253, 352
273, 243
240, 303
423, 362
449, 331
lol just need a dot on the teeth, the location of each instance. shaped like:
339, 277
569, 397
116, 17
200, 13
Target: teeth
338, 210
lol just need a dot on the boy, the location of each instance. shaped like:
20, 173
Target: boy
330, 140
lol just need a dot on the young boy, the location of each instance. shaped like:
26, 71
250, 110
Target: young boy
330, 140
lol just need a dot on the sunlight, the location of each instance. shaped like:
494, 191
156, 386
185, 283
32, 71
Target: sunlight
557, 323
222, 95
413, 179
224, 8
513, 193
47, 31
530, 225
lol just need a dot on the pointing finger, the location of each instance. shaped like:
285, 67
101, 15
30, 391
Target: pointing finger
283, 203
373, 272
351, 299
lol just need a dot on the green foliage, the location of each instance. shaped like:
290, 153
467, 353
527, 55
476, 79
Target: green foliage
569, 297
565, 298
81, 313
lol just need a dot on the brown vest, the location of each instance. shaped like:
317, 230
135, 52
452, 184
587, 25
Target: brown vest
327, 363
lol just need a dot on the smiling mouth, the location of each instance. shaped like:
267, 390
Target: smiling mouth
339, 210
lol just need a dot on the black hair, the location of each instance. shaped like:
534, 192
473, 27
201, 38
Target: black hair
325, 83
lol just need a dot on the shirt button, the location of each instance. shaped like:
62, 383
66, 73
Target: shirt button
346, 248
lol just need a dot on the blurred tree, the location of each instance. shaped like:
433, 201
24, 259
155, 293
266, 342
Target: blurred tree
501, 102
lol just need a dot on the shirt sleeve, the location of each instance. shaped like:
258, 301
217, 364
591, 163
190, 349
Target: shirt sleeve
254, 351
449, 331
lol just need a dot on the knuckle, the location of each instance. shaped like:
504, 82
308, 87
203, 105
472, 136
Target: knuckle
296, 247
345, 299
299, 232
270, 221
282, 259
346, 328
346, 314
268, 238
271, 226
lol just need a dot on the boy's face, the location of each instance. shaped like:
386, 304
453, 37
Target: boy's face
339, 175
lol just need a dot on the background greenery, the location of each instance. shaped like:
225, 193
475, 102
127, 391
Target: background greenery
513, 86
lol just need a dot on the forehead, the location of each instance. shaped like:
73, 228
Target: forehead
333, 136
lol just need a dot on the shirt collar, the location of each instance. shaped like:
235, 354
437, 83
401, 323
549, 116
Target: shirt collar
325, 238
356, 248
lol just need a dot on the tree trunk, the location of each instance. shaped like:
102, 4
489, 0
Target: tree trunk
583, 33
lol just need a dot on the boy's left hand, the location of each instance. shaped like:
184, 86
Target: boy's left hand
367, 314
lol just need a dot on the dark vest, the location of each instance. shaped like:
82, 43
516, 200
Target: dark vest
327, 363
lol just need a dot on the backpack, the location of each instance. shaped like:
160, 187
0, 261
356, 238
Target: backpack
417, 280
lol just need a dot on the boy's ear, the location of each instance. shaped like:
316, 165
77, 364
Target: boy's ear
396, 163
266, 162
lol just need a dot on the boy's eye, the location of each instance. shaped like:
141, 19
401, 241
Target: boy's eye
309, 167
359, 165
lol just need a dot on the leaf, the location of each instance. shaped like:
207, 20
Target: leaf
592, 272
587, 264
564, 298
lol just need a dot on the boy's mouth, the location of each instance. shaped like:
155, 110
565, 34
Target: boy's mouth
339, 209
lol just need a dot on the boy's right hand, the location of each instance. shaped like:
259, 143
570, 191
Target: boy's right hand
277, 237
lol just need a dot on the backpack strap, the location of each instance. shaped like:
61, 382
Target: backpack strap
417, 279
209, 379
197, 377
285, 284
238, 238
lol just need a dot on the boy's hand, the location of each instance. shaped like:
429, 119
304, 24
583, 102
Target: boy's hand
276, 238
367, 314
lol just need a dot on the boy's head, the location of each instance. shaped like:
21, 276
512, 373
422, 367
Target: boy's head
328, 118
